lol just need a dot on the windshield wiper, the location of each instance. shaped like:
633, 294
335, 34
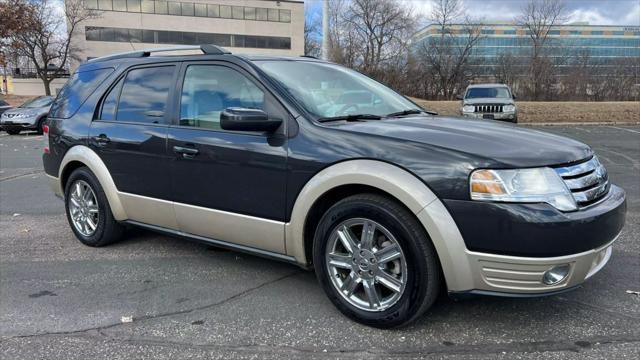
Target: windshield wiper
410, 112
352, 117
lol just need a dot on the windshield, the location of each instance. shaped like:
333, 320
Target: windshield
498, 92
38, 102
3, 103
327, 90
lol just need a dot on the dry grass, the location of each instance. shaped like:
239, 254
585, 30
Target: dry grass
15, 100
556, 112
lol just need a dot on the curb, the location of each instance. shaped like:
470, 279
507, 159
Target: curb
594, 123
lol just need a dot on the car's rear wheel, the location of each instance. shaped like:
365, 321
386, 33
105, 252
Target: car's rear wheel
88, 210
375, 262
13, 131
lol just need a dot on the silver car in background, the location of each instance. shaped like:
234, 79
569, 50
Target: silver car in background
489, 101
28, 116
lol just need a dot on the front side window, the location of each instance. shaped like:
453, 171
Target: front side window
144, 94
327, 90
209, 89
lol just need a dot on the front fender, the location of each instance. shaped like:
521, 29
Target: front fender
400, 184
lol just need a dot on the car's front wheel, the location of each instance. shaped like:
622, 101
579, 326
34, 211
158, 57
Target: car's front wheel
88, 210
375, 261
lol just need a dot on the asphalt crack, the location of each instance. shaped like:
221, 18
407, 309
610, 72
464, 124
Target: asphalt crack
100, 329
17, 176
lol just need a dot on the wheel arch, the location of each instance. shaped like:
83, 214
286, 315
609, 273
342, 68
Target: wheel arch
338, 180
79, 156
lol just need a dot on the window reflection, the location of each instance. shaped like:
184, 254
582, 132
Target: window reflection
162, 7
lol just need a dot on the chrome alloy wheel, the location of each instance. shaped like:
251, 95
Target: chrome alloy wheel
366, 264
83, 208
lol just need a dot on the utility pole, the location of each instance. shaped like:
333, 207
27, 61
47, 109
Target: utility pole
325, 30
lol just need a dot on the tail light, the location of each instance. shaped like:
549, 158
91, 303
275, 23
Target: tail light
45, 137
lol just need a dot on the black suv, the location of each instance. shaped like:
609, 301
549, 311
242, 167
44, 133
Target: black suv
315, 164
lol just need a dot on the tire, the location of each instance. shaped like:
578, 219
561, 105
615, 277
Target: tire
13, 131
39, 125
417, 267
106, 229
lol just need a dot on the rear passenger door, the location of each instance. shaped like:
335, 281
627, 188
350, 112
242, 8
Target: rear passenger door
129, 133
230, 185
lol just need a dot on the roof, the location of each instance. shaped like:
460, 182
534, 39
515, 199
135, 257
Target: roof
487, 85
178, 52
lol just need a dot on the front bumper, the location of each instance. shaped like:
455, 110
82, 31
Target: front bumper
496, 116
18, 123
510, 275
505, 249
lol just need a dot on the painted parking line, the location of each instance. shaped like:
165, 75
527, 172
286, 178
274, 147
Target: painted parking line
625, 129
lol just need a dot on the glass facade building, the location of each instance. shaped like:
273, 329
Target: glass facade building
603, 45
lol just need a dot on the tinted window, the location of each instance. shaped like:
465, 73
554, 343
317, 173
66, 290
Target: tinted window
3, 103
76, 91
108, 111
208, 90
499, 92
144, 95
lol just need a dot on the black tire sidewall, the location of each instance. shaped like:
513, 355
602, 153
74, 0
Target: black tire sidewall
96, 239
417, 285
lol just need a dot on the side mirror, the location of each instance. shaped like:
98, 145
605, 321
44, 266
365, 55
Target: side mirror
513, 96
459, 97
242, 119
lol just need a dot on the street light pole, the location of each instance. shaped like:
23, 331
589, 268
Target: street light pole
325, 30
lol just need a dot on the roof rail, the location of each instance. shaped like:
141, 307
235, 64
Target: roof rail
208, 49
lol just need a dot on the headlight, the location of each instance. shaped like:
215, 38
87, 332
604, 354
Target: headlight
509, 108
23, 115
523, 186
468, 108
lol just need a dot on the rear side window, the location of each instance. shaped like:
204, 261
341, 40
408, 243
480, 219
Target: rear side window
144, 95
76, 91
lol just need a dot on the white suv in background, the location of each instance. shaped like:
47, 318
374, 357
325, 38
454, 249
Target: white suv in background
489, 101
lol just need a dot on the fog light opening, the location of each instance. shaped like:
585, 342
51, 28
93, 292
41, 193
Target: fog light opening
556, 274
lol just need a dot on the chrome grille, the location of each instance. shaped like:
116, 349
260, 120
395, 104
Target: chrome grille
488, 108
588, 181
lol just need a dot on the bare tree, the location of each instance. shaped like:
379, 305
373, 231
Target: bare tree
507, 69
47, 42
537, 18
371, 36
15, 16
447, 57
312, 35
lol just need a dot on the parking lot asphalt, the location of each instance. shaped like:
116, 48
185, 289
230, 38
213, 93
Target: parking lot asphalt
60, 299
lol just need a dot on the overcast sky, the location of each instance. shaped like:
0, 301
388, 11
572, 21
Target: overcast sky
596, 12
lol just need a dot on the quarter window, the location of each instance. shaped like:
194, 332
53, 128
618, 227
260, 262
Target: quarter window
110, 103
144, 95
209, 89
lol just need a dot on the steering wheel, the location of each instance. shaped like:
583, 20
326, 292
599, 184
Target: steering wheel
346, 107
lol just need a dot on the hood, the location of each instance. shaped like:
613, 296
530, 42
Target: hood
508, 144
26, 111
475, 101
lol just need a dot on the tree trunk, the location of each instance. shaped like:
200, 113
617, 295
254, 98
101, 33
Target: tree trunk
47, 86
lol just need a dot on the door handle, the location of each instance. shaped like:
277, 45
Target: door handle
187, 152
102, 139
